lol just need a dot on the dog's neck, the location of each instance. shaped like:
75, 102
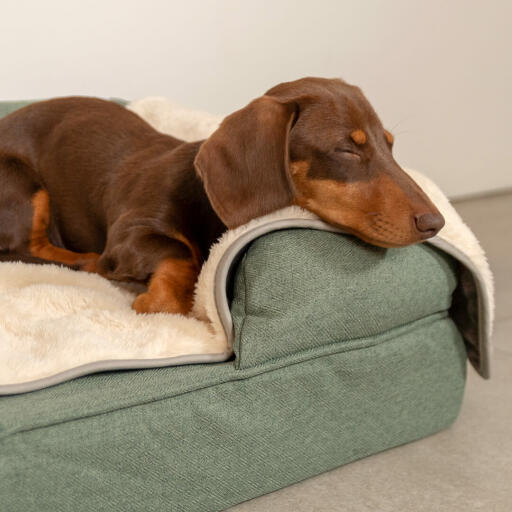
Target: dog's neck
196, 217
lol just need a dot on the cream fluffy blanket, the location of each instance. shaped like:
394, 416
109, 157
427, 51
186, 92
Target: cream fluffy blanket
56, 324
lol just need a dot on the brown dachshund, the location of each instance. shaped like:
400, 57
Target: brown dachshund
87, 183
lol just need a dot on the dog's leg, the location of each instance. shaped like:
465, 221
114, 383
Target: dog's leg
171, 288
137, 251
41, 247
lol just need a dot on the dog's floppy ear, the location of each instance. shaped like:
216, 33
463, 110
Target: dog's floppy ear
244, 164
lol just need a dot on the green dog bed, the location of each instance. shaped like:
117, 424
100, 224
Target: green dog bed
339, 350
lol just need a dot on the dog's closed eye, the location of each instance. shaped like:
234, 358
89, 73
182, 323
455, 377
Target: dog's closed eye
346, 152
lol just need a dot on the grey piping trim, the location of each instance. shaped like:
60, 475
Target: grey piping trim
231, 254
108, 365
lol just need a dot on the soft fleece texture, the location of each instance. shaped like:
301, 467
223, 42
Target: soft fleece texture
54, 319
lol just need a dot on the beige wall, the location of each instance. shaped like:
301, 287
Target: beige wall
438, 72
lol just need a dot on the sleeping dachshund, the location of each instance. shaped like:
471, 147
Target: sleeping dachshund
87, 183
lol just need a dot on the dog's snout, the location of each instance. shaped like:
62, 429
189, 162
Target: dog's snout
429, 223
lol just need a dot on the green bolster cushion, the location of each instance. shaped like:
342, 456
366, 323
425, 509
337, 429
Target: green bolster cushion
300, 289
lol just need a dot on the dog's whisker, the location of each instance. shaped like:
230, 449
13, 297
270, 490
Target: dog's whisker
402, 132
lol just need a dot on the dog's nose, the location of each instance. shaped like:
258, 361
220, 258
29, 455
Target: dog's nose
429, 223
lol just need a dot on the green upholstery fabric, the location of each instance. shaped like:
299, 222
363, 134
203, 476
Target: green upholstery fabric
205, 437
308, 288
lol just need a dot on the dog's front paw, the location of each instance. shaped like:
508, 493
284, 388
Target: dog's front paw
144, 304
148, 303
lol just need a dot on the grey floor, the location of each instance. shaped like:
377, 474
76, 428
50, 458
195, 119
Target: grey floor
465, 468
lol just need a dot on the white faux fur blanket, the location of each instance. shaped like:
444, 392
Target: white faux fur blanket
56, 324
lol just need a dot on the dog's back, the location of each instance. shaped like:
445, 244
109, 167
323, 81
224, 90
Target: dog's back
71, 147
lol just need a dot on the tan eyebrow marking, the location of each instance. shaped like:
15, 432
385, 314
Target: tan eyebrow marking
358, 136
389, 137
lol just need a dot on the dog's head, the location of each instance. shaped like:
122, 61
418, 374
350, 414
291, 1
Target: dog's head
319, 144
